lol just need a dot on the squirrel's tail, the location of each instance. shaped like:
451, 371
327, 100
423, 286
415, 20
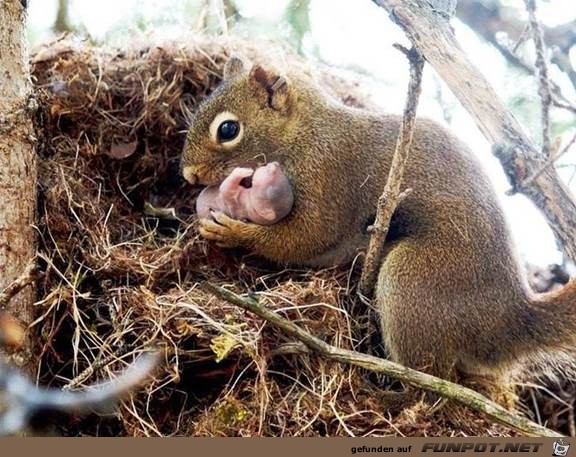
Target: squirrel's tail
550, 322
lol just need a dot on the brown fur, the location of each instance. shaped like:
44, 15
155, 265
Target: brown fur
450, 290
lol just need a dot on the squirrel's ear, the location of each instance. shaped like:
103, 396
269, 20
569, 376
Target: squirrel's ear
234, 67
275, 86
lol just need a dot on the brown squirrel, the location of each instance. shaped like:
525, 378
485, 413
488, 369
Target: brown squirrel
451, 294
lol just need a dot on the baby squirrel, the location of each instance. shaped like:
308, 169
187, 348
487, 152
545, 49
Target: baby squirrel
450, 292
267, 199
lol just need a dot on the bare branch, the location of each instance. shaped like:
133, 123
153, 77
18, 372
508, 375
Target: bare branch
446, 389
391, 195
543, 79
27, 278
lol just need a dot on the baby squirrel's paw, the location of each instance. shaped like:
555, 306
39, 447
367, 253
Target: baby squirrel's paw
225, 231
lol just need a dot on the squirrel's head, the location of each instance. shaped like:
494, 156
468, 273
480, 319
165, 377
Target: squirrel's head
242, 123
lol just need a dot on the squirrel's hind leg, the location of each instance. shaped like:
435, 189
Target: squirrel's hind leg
498, 387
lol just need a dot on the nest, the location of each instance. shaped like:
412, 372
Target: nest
123, 266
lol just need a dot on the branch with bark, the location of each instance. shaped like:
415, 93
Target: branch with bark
446, 389
24, 280
391, 196
430, 32
543, 79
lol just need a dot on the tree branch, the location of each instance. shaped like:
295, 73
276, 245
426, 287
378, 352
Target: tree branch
432, 35
391, 196
489, 18
543, 79
25, 279
446, 389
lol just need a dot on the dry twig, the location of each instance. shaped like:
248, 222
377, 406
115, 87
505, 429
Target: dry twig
446, 389
391, 197
543, 79
25, 279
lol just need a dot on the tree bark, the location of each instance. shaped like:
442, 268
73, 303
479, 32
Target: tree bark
17, 163
527, 170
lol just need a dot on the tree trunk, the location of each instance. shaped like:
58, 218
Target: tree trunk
17, 162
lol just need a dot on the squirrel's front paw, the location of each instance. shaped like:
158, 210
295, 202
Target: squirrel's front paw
225, 231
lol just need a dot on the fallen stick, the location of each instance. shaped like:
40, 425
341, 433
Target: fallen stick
446, 389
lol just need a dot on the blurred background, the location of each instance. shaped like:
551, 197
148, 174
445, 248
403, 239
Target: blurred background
357, 36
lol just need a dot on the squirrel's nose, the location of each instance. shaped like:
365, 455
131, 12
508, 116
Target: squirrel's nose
190, 175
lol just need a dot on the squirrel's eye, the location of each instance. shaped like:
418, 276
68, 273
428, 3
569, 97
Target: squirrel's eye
228, 130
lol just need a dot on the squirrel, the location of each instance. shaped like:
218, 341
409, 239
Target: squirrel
451, 295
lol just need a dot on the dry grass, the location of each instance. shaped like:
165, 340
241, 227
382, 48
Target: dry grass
123, 261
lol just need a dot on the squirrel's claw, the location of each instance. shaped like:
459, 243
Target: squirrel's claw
223, 230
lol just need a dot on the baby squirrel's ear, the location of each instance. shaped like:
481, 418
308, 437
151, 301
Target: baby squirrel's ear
234, 67
274, 86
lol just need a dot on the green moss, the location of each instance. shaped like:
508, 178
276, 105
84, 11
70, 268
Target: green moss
230, 412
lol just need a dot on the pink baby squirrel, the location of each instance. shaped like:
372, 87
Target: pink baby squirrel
268, 200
